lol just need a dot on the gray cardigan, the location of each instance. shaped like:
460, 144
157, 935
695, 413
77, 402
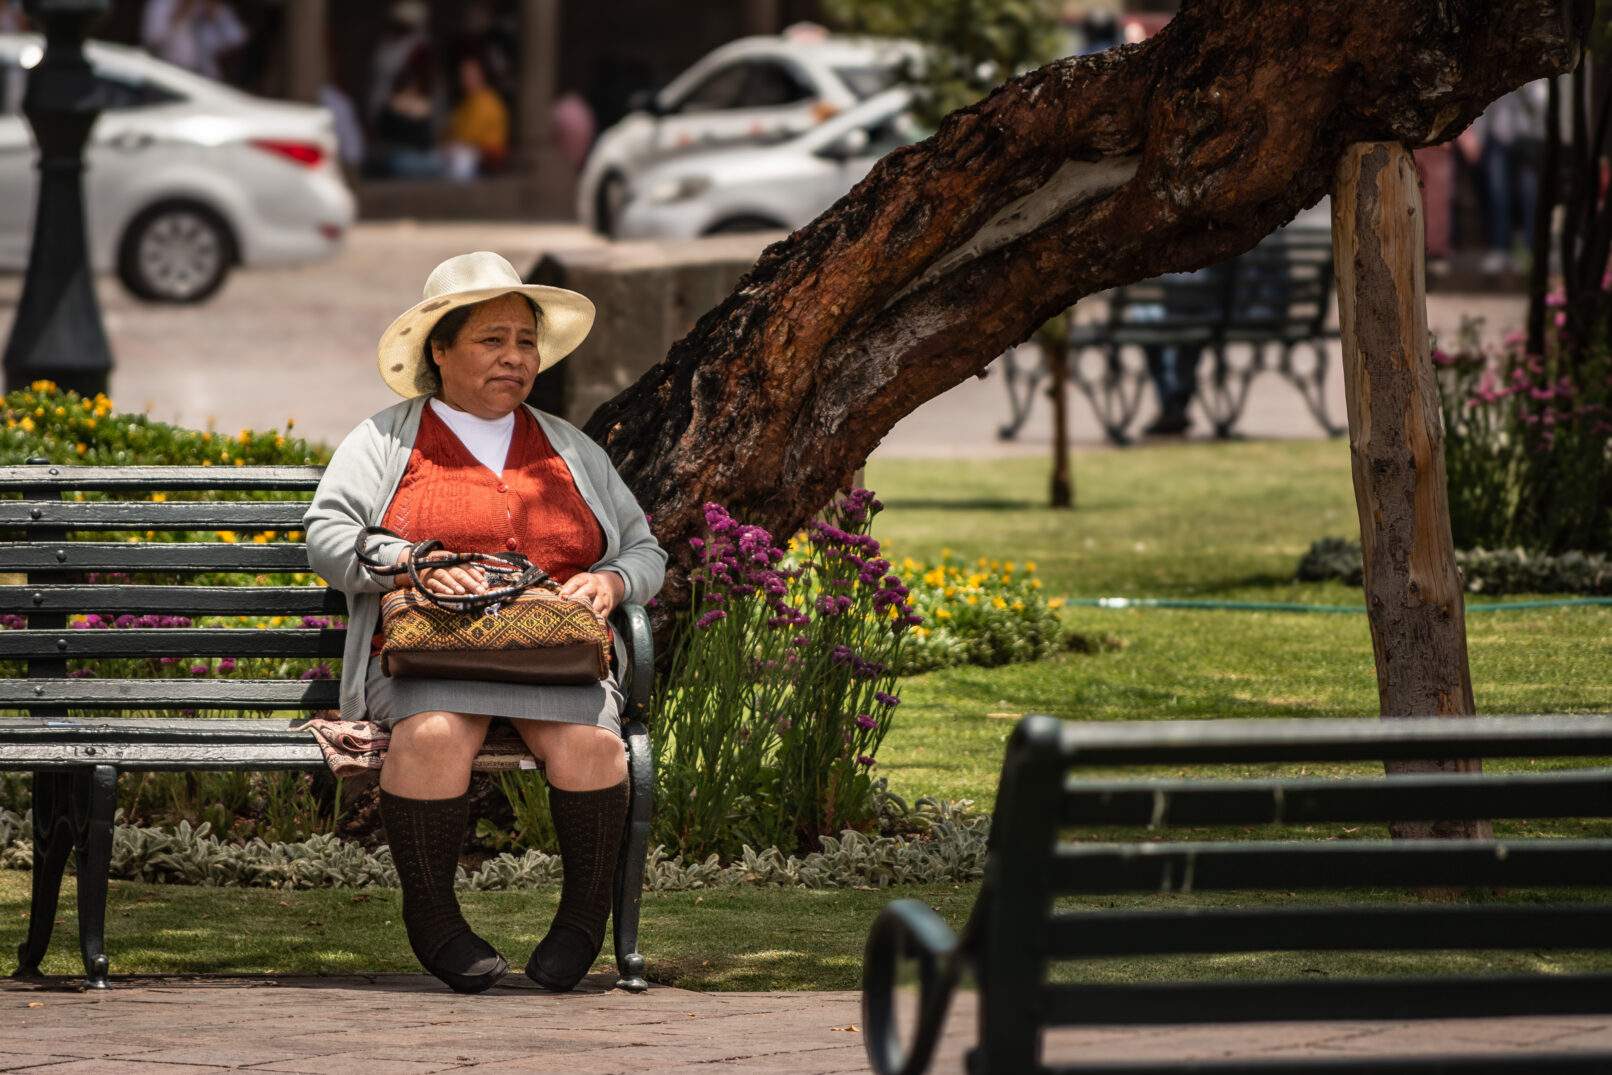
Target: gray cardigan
359, 485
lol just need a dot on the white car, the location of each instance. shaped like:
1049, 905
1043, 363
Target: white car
755, 89
184, 177
763, 188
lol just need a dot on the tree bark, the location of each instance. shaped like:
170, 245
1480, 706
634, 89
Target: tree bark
1091, 172
1396, 442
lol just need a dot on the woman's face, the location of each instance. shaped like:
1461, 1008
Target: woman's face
490, 368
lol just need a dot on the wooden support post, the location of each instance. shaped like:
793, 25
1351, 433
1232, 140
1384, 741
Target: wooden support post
1396, 441
304, 49
1056, 346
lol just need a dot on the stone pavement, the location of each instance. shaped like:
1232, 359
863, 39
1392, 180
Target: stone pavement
299, 343
408, 1025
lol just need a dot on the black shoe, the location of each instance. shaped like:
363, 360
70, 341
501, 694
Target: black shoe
467, 964
561, 959
1168, 424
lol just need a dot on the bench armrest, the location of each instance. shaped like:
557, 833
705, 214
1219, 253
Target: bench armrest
907, 927
631, 622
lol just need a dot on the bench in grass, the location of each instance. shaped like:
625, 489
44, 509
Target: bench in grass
66, 529
1136, 778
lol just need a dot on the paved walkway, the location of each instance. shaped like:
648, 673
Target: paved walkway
407, 1025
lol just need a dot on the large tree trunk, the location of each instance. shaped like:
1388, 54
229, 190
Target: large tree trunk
1091, 172
1396, 442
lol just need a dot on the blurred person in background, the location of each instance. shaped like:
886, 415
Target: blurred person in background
405, 46
405, 144
574, 128
1503, 147
477, 139
191, 34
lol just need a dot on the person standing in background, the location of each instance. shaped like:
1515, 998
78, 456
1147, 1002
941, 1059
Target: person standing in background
404, 47
477, 140
191, 34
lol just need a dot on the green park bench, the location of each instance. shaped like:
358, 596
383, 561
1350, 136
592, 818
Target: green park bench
76, 734
1136, 778
1270, 303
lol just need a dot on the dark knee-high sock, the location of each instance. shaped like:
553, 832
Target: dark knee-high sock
589, 825
425, 836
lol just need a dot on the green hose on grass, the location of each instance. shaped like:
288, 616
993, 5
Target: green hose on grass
1293, 606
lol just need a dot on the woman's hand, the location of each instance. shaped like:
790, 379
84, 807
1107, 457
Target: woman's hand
601, 589
456, 580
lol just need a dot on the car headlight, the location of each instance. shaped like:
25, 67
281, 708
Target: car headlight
682, 188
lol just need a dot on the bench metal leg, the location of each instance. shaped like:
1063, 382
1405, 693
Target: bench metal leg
630, 864
95, 800
1312, 386
1020, 399
1224, 393
1115, 392
53, 842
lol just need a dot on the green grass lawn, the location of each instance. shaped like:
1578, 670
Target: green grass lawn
1205, 521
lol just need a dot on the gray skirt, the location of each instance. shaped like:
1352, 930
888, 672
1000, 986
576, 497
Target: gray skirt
393, 698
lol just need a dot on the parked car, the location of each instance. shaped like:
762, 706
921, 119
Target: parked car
756, 89
761, 188
185, 177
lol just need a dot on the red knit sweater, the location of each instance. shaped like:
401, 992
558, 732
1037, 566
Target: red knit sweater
533, 507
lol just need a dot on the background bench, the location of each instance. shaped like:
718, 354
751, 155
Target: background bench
1264, 310
63, 529
1062, 775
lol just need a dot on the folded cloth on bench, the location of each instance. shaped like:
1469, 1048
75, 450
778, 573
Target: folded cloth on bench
357, 746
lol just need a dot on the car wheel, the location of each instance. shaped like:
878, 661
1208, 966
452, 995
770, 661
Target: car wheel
739, 224
608, 202
175, 252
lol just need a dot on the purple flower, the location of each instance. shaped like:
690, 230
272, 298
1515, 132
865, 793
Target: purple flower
81, 673
315, 621
863, 759
318, 671
12, 622
697, 544
865, 722
886, 698
710, 617
199, 669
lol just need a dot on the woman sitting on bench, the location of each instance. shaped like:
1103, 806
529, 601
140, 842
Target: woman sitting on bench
463, 461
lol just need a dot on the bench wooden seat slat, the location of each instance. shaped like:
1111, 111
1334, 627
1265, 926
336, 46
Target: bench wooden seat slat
1301, 802
1359, 998
1342, 928
174, 600
74, 556
1200, 867
175, 693
84, 730
73, 643
98, 479
30, 515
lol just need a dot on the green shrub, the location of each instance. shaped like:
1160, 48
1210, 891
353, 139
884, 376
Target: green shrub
1488, 571
987, 614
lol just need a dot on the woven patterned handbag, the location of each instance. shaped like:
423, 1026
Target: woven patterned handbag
519, 630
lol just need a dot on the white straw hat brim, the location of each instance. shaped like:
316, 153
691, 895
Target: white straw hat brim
566, 321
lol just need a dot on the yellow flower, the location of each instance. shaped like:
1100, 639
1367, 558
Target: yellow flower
240, 462
81, 447
971, 599
61, 412
260, 539
1008, 567
1029, 565
1035, 584
159, 498
89, 423
997, 602
942, 614
289, 422
1018, 606
294, 535
227, 536
982, 562
977, 578
11, 423
950, 591
1056, 602
1007, 580
42, 386
923, 632
245, 437
207, 462
39, 412
909, 564
937, 577
27, 425
88, 404
279, 441
945, 554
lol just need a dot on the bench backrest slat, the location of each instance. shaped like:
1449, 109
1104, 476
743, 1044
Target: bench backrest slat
40, 557
55, 515
174, 600
175, 693
1345, 927
175, 642
1577, 793
67, 478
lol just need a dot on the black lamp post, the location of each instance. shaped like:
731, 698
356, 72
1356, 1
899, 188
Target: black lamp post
58, 335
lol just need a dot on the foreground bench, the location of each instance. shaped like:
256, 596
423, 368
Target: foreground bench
76, 734
1061, 775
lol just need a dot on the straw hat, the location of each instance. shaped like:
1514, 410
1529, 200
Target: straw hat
464, 281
